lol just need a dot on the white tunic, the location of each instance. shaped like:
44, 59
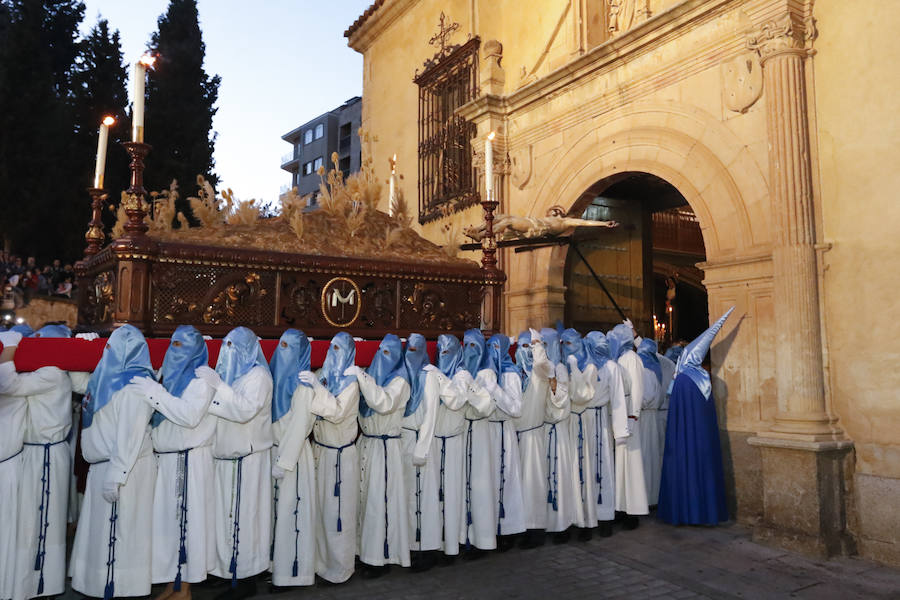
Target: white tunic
651, 453
178, 518
563, 506
506, 464
118, 446
668, 374
242, 475
631, 491
294, 547
422, 481
12, 435
44, 483
337, 484
383, 527
456, 395
480, 508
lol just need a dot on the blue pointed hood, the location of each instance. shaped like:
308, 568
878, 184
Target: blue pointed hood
621, 340
498, 355
187, 351
524, 357
415, 357
292, 355
240, 352
449, 354
647, 352
52, 331
23, 328
387, 364
341, 354
691, 360
474, 351
552, 345
573, 345
125, 356
596, 347
674, 352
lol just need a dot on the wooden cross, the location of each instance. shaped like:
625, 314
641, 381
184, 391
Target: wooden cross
443, 35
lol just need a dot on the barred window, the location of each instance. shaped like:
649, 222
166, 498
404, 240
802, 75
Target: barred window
447, 181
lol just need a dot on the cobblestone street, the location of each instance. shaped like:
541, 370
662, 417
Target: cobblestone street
654, 561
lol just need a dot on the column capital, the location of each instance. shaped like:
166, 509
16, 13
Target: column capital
782, 35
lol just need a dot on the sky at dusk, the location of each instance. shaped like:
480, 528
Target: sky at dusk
282, 63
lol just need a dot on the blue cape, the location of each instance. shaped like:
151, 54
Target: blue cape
573, 345
291, 356
474, 351
187, 351
647, 352
691, 360
449, 354
341, 354
52, 331
125, 356
524, 357
240, 352
596, 347
415, 356
386, 365
674, 353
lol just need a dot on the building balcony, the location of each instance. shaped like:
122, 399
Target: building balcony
677, 230
288, 159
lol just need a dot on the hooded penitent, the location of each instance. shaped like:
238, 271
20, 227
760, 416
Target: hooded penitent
621, 340
573, 345
674, 353
647, 352
240, 352
524, 357
415, 356
550, 338
291, 356
386, 365
474, 350
498, 357
596, 347
692, 358
52, 331
187, 351
341, 354
23, 328
449, 354
125, 356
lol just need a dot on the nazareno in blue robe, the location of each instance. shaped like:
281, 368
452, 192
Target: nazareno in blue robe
692, 489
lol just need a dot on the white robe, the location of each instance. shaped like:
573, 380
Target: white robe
337, 484
456, 395
46, 466
564, 507
651, 453
188, 432
383, 527
12, 435
505, 451
631, 490
423, 482
295, 494
118, 446
479, 509
243, 475
668, 374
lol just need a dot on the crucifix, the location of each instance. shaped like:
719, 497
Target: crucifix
443, 35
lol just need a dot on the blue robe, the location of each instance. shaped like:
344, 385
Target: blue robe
692, 489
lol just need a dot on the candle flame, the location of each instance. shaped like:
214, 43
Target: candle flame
108, 120
147, 60
491, 135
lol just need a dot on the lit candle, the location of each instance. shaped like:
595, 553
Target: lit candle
102, 139
137, 118
489, 166
392, 186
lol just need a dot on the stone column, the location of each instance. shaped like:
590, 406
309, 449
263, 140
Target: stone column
803, 453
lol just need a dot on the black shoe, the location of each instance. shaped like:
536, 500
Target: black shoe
532, 539
604, 529
630, 522
421, 561
561, 537
280, 589
324, 582
245, 588
506, 542
446, 560
584, 534
474, 553
373, 572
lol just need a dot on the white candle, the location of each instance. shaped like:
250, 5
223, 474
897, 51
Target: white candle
489, 167
392, 186
137, 118
102, 139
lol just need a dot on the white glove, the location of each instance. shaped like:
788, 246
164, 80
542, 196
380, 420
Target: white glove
89, 336
628, 323
430, 367
111, 491
211, 378
146, 385
358, 339
207, 337
637, 340
277, 472
352, 371
465, 377
419, 461
309, 378
10, 339
620, 441
573, 362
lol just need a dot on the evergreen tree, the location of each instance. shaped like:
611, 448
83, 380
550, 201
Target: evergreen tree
99, 84
180, 105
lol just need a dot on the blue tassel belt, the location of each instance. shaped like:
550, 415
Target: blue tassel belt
337, 475
443, 439
597, 477
418, 492
384, 440
44, 511
183, 514
552, 461
236, 534
501, 510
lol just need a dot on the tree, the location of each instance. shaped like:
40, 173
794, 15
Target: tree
99, 85
180, 105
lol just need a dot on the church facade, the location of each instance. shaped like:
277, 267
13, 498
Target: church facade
772, 119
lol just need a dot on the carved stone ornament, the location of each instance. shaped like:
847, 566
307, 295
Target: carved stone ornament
742, 82
521, 165
341, 302
781, 35
625, 14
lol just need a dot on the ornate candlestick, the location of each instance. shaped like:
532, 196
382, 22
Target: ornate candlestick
95, 235
134, 203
